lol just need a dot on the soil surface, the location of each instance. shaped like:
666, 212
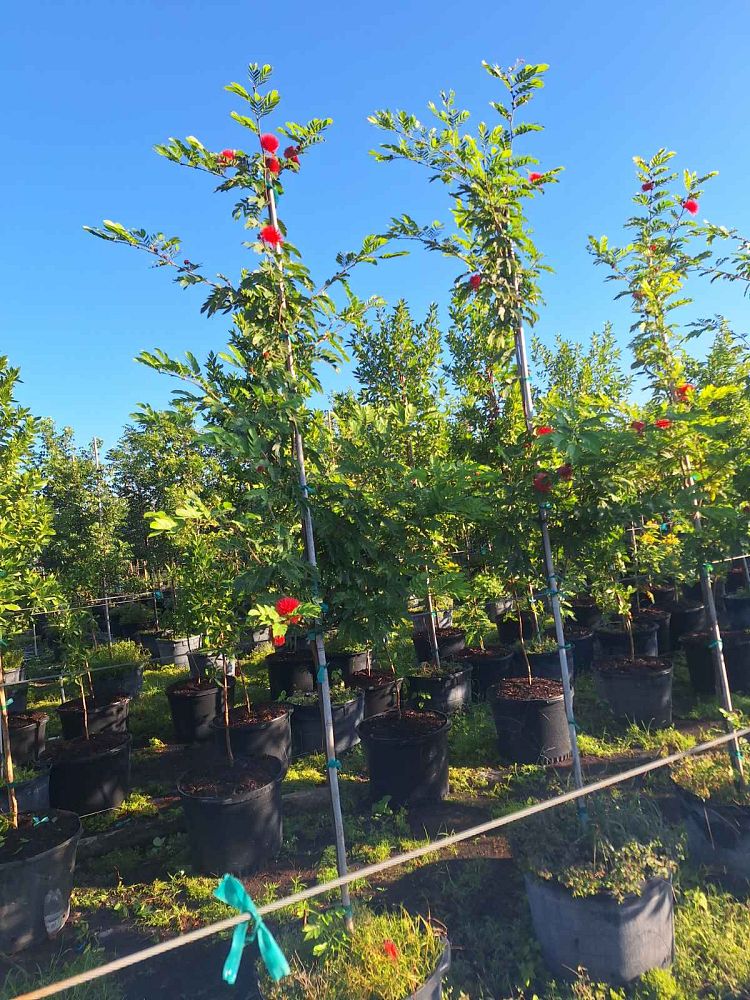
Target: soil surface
223, 781
683, 605
25, 719
624, 665
519, 689
76, 704
366, 681
192, 687
449, 633
29, 839
82, 748
490, 652
402, 725
615, 628
290, 656
651, 614
431, 672
736, 637
258, 715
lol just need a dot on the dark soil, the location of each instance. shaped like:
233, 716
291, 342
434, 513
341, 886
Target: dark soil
258, 715
82, 748
683, 605
489, 652
223, 781
582, 601
624, 665
733, 638
75, 705
449, 633
617, 628
22, 721
651, 614
29, 840
290, 656
192, 687
402, 725
366, 681
519, 689
573, 631
433, 672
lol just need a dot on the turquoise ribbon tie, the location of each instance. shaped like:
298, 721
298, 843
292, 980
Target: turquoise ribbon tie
334, 764
232, 892
321, 673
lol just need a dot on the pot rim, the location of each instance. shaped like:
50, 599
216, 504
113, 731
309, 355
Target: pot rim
241, 796
5, 865
126, 742
218, 721
417, 738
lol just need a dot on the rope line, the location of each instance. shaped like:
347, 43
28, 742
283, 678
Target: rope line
366, 872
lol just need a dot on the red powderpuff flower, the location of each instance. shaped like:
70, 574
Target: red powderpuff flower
662, 424
227, 155
269, 142
271, 235
691, 205
272, 165
292, 153
286, 605
648, 186
541, 431
685, 389
638, 426
565, 472
390, 950
475, 281
535, 177
542, 483
278, 640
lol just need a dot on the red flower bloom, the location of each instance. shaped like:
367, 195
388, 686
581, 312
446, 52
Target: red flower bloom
269, 142
662, 424
638, 426
684, 390
535, 177
278, 640
691, 205
286, 605
565, 472
390, 950
227, 155
475, 281
292, 153
271, 235
542, 483
652, 247
648, 186
541, 431
272, 165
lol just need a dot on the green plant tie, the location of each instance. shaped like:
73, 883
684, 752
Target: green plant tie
3, 642
37, 821
664, 528
716, 644
708, 567
314, 633
232, 892
567, 647
321, 673
545, 506
158, 595
737, 754
323, 608
8, 702
333, 765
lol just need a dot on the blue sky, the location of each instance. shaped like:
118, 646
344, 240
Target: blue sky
91, 86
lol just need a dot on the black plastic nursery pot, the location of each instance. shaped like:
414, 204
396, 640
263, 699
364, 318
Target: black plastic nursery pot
420, 620
203, 663
582, 641
28, 733
109, 717
290, 672
510, 629
662, 619
734, 580
585, 610
613, 640
530, 721
16, 699
31, 795
176, 650
36, 880
448, 691
692, 592
307, 725
544, 665
687, 616
432, 988
87, 776
233, 814
382, 691
124, 680
639, 691
407, 755
266, 732
350, 662
738, 610
663, 595
150, 642
490, 665
194, 704
718, 834
616, 942
450, 641
700, 663
497, 608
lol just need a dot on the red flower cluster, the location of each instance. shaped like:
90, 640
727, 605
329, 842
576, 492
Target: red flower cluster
292, 153
535, 177
390, 950
278, 640
286, 605
691, 205
541, 482
542, 431
565, 472
648, 186
227, 156
475, 281
269, 142
271, 235
272, 165
638, 426
683, 391
662, 424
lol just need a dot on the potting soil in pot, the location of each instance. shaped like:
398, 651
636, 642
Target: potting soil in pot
407, 755
264, 730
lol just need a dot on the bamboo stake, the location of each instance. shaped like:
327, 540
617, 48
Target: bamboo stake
431, 630
5, 748
101, 528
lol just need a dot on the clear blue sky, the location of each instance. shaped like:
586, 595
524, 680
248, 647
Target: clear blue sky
91, 86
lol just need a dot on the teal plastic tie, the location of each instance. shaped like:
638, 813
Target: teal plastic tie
716, 644
8, 702
158, 595
323, 608
37, 821
322, 673
664, 528
709, 568
231, 891
334, 765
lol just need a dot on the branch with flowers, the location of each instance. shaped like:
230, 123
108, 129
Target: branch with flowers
279, 617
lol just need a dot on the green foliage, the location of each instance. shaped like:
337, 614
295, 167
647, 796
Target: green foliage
710, 776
